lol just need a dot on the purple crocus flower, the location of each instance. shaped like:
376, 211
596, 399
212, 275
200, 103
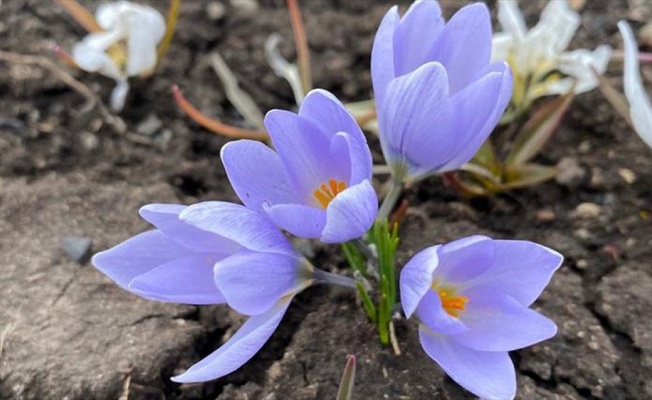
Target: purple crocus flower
472, 299
437, 94
317, 183
213, 253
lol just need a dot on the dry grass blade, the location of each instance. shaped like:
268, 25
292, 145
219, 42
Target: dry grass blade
84, 17
213, 125
301, 42
93, 101
242, 102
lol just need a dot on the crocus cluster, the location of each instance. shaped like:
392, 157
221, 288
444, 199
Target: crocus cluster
316, 185
126, 46
536, 55
438, 97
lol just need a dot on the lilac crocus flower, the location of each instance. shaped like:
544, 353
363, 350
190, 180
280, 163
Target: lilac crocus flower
472, 299
437, 94
214, 253
317, 183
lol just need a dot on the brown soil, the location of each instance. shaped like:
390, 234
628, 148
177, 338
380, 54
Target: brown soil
67, 332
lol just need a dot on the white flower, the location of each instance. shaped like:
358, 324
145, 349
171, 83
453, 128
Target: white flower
640, 109
534, 54
126, 47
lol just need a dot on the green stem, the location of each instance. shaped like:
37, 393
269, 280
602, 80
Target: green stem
390, 199
334, 279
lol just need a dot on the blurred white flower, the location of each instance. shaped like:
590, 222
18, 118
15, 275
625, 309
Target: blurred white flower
126, 47
640, 109
538, 56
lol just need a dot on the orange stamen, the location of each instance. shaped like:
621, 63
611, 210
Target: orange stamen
452, 304
326, 193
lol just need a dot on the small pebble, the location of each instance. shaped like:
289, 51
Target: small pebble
149, 126
627, 175
215, 10
570, 172
587, 210
545, 215
78, 248
245, 6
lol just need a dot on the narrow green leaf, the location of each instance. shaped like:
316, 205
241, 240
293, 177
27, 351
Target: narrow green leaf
613, 96
345, 392
538, 130
523, 175
486, 156
367, 303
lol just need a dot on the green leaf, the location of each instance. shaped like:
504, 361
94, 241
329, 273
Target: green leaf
523, 175
345, 392
485, 155
538, 130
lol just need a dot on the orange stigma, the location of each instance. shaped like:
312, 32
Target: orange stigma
326, 193
452, 304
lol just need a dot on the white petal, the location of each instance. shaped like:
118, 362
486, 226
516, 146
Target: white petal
640, 110
580, 64
146, 29
119, 94
511, 19
559, 22
501, 44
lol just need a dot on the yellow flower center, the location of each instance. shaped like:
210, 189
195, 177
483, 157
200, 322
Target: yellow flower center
326, 193
453, 304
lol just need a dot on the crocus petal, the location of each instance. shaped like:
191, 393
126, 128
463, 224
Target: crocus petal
640, 109
137, 256
187, 279
332, 118
119, 94
415, 36
489, 375
432, 314
511, 19
559, 22
235, 222
146, 29
328, 114
464, 47
498, 322
239, 349
256, 174
93, 59
463, 260
501, 45
350, 214
416, 121
416, 278
382, 53
520, 269
478, 108
302, 148
165, 217
298, 219
583, 65
108, 15
339, 153
253, 282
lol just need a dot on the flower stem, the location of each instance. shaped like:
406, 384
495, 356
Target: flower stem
301, 43
334, 279
170, 26
390, 199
